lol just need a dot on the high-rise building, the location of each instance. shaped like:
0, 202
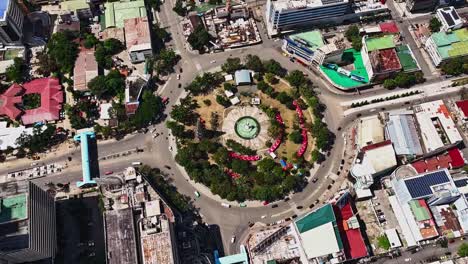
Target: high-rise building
420, 5
284, 15
27, 223
11, 22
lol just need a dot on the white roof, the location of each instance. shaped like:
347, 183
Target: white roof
393, 238
449, 17
228, 93
104, 113
8, 135
370, 131
235, 100
435, 112
402, 221
362, 193
294, 5
228, 77
153, 208
379, 159
320, 241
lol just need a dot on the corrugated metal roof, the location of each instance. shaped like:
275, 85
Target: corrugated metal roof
316, 218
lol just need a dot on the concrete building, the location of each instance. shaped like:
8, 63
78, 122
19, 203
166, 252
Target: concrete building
138, 39
9, 135
117, 12
400, 128
302, 46
371, 162
243, 77
284, 15
429, 204
27, 223
81, 8
420, 5
370, 131
134, 86
436, 126
449, 18
443, 46
11, 23
86, 68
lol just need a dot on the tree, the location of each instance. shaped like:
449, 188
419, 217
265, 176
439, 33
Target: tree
383, 242
455, 66
199, 38
46, 64
254, 63
357, 44
274, 67
165, 61
105, 50
17, 72
352, 32
107, 86
275, 130
296, 78
222, 100
41, 138
179, 8
63, 50
271, 78
389, 84
151, 107
90, 41
231, 65
295, 137
435, 24
463, 250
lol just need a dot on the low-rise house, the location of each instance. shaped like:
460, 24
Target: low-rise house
86, 68
138, 39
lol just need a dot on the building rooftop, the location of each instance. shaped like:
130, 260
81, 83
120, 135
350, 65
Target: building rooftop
311, 39
9, 135
406, 58
137, 31
157, 248
401, 130
300, 4
13, 208
74, 5
385, 42
120, 235
370, 131
375, 159
384, 60
436, 126
86, 68
463, 106
451, 160
243, 77
117, 12
449, 16
389, 27
9, 100
451, 44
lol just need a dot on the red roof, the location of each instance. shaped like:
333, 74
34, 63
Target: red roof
51, 100
463, 105
389, 27
353, 242
8, 101
388, 60
131, 108
452, 160
376, 145
457, 159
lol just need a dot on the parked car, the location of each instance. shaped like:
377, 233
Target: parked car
314, 180
165, 100
108, 172
178, 76
233, 239
299, 207
274, 206
197, 194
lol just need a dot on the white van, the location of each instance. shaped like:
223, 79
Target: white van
136, 163
225, 205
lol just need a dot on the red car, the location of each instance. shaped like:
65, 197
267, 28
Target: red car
265, 203
108, 172
165, 100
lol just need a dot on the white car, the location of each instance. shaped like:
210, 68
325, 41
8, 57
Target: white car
178, 76
213, 61
226, 205
233, 239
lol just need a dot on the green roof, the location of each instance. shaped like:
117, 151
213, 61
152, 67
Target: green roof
74, 5
452, 44
241, 258
359, 69
406, 58
385, 42
316, 218
420, 213
13, 208
117, 12
313, 38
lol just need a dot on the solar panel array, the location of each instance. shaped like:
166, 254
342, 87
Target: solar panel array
421, 186
461, 182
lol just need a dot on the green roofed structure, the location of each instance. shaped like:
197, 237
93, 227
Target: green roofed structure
13, 208
407, 60
385, 42
79, 7
319, 232
443, 46
420, 212
117, 12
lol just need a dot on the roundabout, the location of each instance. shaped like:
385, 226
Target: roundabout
247, 125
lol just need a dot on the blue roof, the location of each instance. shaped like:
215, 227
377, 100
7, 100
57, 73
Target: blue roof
420, 186
401, 130
3, 7
243, 77
85, 161
461, 182
240, 258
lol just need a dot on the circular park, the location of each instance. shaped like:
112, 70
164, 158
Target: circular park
250, 132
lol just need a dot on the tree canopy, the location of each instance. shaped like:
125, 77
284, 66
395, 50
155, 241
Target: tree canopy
62, 50
435, 24
352, 35
205, 83
231, 65
39, 141
463, 250
105, 50
107, 86
254, 63
17, 72
199, 39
